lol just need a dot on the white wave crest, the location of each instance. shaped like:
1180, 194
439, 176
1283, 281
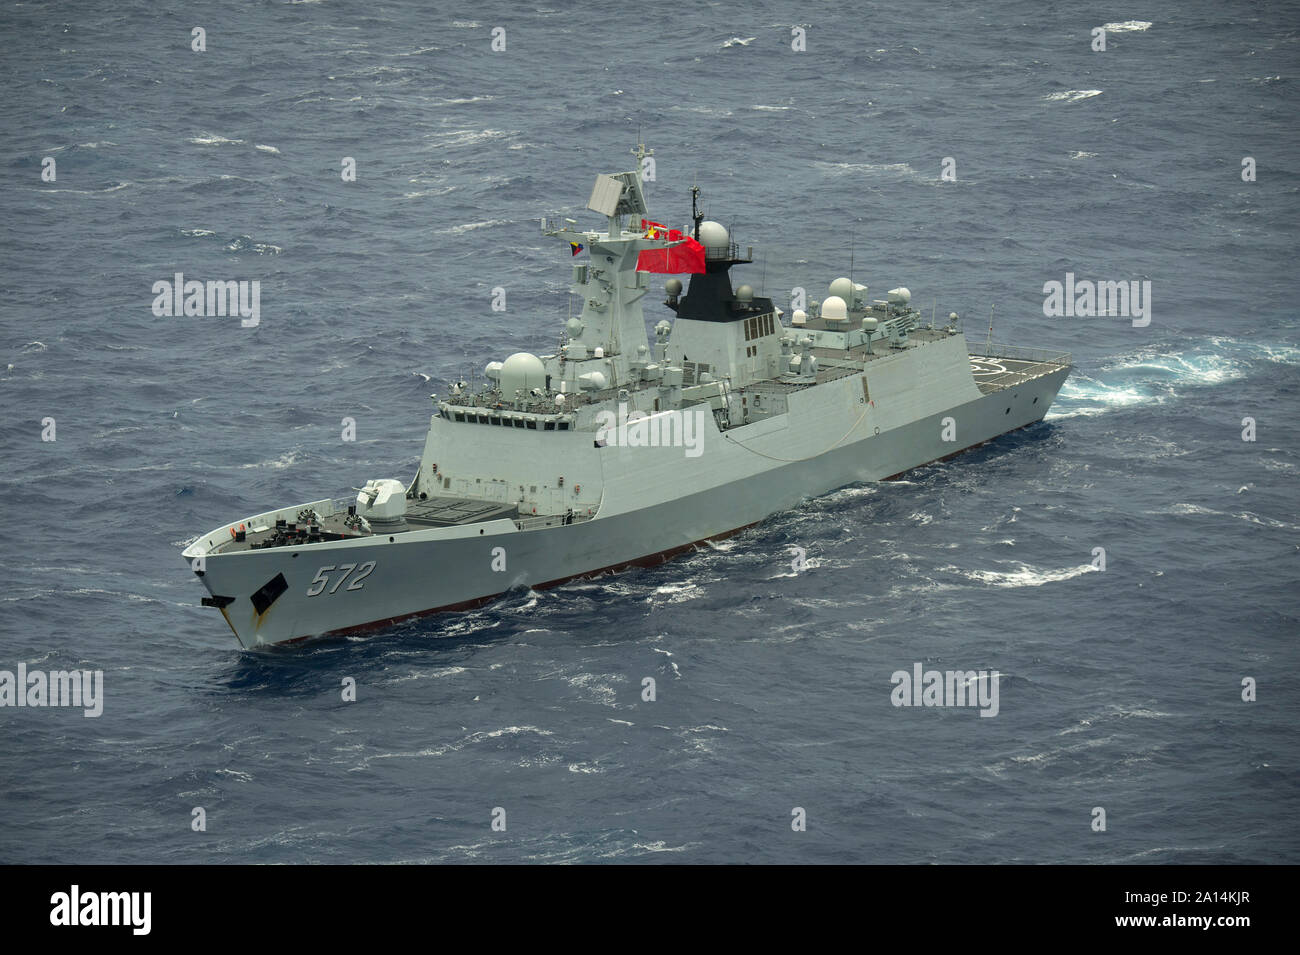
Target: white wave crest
214, 140
1023, 575
1127, 26
1071, 96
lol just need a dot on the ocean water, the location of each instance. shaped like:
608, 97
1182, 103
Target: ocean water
1120, 688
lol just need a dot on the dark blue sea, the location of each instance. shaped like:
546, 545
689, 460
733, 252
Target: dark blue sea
1120, 689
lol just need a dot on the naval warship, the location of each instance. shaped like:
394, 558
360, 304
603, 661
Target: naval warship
624, 449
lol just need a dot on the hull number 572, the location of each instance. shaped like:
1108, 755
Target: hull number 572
321, 580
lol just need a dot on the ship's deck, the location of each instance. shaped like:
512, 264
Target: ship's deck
994, 366
447, 511
442, 511
858, 354
1007, 366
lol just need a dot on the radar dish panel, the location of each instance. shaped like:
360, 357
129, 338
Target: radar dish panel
633, 201
605, 195
618, 195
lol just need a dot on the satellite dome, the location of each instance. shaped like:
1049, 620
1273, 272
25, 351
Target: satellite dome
869, 324
713, 235
521, 372
493, 370
799, 317
673, 287
842, 288
899, 296
745, 293
834, 309
575, 327
594, 381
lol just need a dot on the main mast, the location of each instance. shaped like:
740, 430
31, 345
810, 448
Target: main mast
606, 343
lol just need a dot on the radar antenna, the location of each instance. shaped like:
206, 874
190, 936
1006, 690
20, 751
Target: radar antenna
640, 152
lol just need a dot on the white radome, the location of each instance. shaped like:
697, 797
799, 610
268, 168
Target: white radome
522, 371
842, 288
834, 309
714, 235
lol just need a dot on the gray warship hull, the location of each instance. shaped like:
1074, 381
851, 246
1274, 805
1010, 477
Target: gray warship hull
641, 505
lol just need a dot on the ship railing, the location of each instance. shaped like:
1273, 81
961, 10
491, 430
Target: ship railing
1040, 356
529, 405
729, 252
550, 520
324, 508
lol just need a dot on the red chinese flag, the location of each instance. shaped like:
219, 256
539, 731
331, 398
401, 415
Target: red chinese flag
680, 259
